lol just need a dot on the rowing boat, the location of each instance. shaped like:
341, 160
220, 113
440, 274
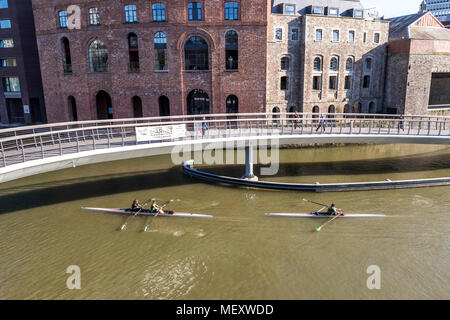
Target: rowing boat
324, 215
146, 212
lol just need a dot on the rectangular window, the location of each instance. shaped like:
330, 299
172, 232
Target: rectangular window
3, 4
130, 13
317, 10
284, 83
94, 17
316, 83
195, 11
319, 34
334, 12
376, 37
62, 19
7, 43
336, 35
289, 9
365, 37
333, 83
11, 84
8, 62
159, 12
358, 13
5, 24
231, 11
351, 36
294, 34
279, 34
348, 83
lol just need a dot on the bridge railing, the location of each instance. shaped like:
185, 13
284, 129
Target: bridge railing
44, 141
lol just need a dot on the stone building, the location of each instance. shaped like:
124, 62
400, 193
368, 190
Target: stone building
117, 59
21, 96
418, 69
325, 56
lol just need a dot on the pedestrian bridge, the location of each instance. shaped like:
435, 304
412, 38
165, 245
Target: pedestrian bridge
30, 150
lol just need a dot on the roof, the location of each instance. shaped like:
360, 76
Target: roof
420, 26
301, 5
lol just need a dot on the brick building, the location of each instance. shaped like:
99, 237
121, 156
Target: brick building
418, 69
150, 58
325, 56
21, 96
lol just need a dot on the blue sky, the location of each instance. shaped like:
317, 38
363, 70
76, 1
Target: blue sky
394, 8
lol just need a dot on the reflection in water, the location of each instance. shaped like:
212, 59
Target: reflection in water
241, 253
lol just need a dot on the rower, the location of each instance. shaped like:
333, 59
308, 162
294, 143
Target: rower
154, 208
136, 205
332, 210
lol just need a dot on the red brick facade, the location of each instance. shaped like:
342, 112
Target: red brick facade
247, 83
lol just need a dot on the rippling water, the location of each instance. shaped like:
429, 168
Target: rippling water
240, 254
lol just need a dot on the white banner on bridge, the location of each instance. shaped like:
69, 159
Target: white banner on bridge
160, 132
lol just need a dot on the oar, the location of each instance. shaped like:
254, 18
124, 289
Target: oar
148, 224
134, 215
320, 228
320, 204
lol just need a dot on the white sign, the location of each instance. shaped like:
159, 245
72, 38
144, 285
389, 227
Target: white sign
160, 132
26, 108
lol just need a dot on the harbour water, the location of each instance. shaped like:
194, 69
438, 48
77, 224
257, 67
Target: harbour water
240, 253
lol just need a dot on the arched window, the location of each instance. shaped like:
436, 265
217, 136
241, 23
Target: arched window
315, 111
366, 82
368, 64
160, 43
164, 106
198, 102
231, 10
98, 56
196, 55
232, 104
347, 109
334, 64
159, 12
317, 64
67, 59
285, 65
276, 116
349, 64
231, 50
73, 116
133, 52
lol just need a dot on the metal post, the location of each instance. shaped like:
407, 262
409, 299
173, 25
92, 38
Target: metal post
3, 154
78, 143
249, 164
60, 146
23, 151
42, 147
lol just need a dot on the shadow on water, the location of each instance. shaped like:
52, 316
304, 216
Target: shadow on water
32, 196
353, 167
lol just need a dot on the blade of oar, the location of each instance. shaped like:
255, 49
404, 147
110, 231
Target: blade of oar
320, 204
148, 224
323, 225
134, 215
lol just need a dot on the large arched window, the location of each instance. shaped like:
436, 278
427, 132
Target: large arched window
67, 59
160, 43
198, 102
232, 104
196, 55
98, 56
231, 50
133, 52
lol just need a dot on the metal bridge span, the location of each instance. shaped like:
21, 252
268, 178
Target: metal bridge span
25, 151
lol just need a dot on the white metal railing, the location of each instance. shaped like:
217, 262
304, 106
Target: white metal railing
24, 144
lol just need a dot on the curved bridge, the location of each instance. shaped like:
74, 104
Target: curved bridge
26, 151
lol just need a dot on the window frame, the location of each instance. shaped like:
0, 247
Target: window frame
197, 10
62, 19
236, 11
159, 12
95, 14
127, 10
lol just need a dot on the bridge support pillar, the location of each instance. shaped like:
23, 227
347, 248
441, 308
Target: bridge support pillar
249, 175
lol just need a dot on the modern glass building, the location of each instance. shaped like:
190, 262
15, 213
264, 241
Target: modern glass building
439, 8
